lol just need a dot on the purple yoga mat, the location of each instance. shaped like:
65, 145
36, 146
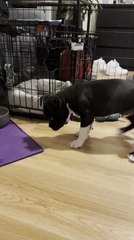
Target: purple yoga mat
15, 144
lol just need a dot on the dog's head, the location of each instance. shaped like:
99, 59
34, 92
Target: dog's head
56, 111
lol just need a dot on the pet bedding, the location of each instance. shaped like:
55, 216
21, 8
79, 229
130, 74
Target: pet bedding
27, 95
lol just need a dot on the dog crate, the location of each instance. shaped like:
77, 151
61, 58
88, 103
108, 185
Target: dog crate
40, 55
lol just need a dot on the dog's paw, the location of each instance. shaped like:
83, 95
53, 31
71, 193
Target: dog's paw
122, 130
76, 144
119, 131
77, 134
131, 157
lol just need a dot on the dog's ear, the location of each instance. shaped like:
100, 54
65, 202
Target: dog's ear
57, 101
43, 99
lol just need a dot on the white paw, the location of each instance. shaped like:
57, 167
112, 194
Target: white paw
119, 131
77, 134
76, 144
131, 157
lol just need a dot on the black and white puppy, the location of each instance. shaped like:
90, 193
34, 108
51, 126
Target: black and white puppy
90, 99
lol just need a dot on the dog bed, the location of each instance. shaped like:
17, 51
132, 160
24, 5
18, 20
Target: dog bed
27, 94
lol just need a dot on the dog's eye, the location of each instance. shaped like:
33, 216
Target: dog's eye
51, 119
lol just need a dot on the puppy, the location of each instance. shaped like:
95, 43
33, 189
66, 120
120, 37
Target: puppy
90, 99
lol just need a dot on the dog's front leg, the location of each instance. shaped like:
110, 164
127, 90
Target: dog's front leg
77, 133
87, 119
83, 135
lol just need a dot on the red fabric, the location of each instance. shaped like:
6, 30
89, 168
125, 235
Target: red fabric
79, 65
65, 65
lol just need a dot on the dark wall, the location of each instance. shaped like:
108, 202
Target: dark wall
115, 32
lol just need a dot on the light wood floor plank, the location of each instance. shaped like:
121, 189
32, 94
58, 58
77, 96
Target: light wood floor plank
66, 194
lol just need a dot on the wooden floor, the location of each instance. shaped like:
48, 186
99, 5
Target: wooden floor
65, 194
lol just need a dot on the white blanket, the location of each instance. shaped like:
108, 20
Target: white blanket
27, 94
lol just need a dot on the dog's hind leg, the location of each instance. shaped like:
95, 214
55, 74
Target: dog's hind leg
131, 157
130, 126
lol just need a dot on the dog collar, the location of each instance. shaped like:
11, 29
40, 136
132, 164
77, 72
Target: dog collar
68, 118
70, 114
